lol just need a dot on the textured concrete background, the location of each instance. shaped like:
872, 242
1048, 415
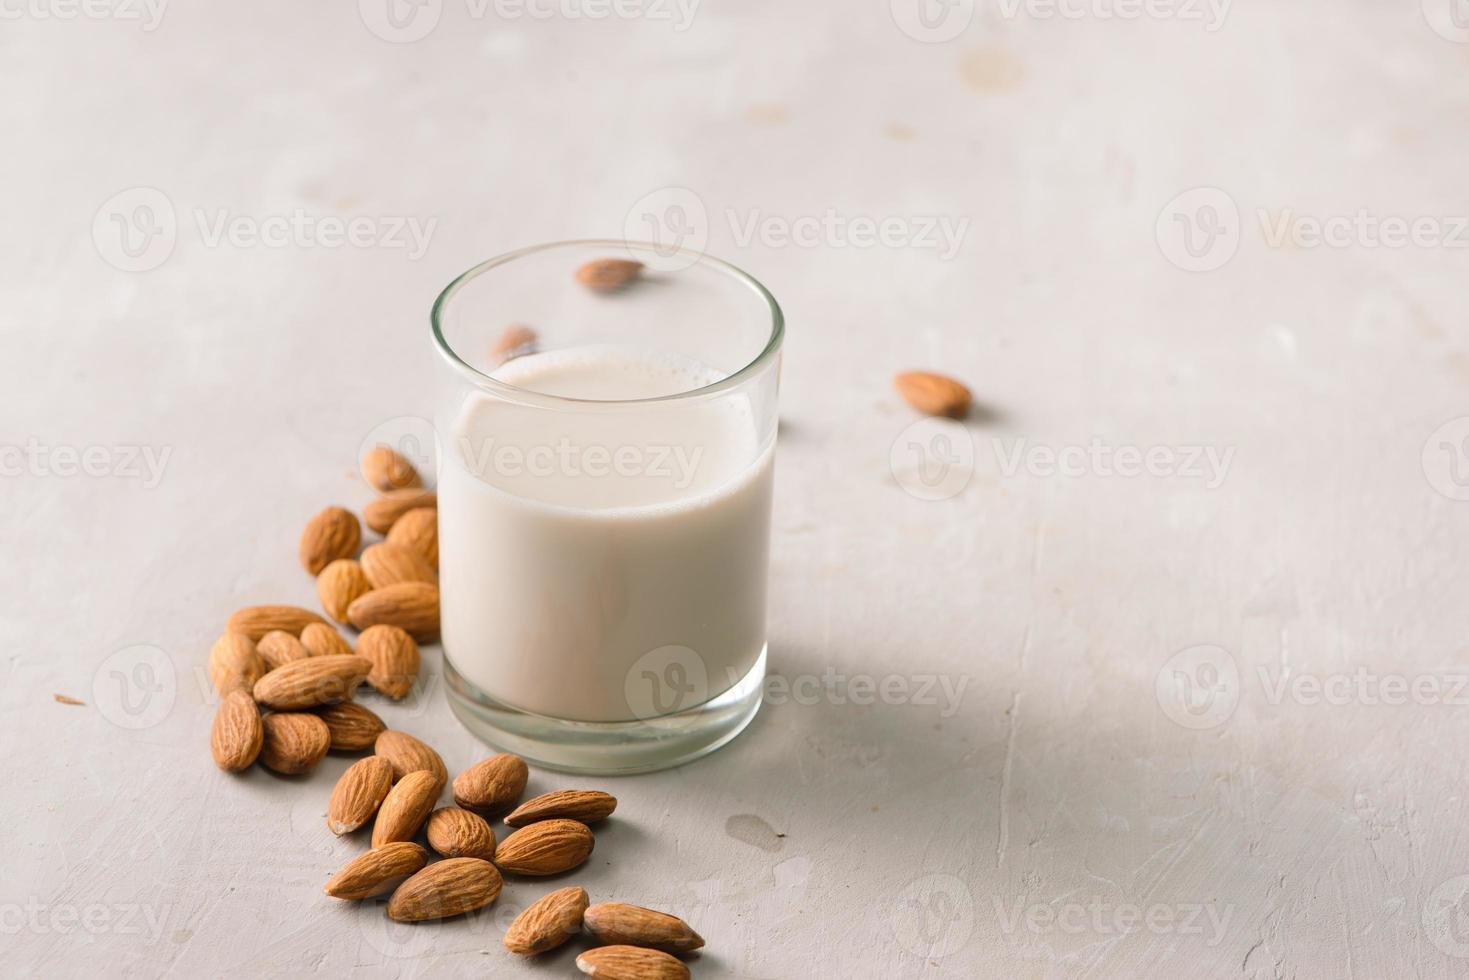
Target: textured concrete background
1204, 719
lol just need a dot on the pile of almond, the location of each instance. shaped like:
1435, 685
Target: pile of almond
286, 678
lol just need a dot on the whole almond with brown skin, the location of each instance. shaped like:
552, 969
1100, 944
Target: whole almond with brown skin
238, 732
450, 887
607, 274
278, 648
632, 925
358, 794
320, 640
387, 564
933, 394
294, 742
312, 681
586, 805
514, 341
339, 585
256, 621
407, 754
235, 664
378, 871
418, 530
382, 513
546, 848
547, 922
630, 963
353, 727
333, 533
492, 785
405, 808
386, 469
414, 606
458, 833
394, 658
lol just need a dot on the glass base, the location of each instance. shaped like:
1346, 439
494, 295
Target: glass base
608, 748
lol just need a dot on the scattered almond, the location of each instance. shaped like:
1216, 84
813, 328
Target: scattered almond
310, 682
358, 794
339, 585
607, 274
234, 663
256, 621
237, 733
320, 640
630, 963
414, 606
278, 648
383, 512
405, 808
548, 922
449, 887
333, 533
458, 833
933, 394
407, 754
386, 469
419, 530
546, 848
492, 785
586, 805
632, 925
387, 564
394, 658
514, 341
68, 699
353, 727
293, 742
378, 871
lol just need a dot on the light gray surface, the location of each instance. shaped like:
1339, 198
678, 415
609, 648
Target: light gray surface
832, 839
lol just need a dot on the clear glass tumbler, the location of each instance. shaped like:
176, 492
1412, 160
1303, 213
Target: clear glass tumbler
606, 433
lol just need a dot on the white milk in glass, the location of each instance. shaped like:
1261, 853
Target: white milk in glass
578, 541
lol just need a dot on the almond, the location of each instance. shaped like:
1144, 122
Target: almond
407, 754
384, 512
237, 733
256, 621
394, 658
514, 341
607, 274
586, 805
447, 888
630, 963
458, 833
278, 648
418, 530
320, 640
386, 469
358, 794
353, 727
414, 606
234, 663
378, 871
310, 682
405, 808
933, 394
546, 848
334, 533
339, 585
388, 564
548, 922
617, 923
293, 742
492, 785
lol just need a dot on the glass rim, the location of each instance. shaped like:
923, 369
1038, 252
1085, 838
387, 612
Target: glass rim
514, 392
